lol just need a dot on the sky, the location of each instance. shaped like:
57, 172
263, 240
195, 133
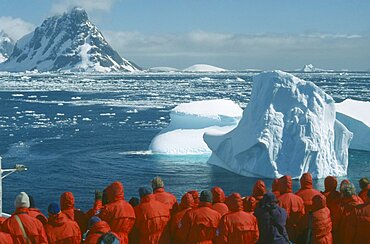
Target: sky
232, 34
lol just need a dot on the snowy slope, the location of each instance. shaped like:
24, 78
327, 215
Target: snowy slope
203, 68
6, 46
310, 68
288, 127
189, 121
66, 42
355, 115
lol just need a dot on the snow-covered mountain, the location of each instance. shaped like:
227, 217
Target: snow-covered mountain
311, 68
6, 46
66, 42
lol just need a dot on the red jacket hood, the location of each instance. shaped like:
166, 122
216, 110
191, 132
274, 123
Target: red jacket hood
285, 184
249, 204
218, 195
330, 184
67, 201
275, 185
115, 192
259, 189
344, 182
306, 181
100, 226
57, 219
187, 201
195, 195
318, 202
235, 202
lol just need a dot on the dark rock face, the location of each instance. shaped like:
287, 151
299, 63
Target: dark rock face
66, 42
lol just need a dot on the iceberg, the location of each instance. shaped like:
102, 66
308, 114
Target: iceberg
189, 121
289, 127
204, 68
355, 115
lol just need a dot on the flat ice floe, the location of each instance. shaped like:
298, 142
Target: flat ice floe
289, 127
189, 121
355, 115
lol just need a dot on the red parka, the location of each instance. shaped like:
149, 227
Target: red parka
219, 201
187, 203
293, 205
118, 213
249, 204
195, 195
363, 194
199, 225
331, 193
358, 225
275, 187
237, 226
307, 192
67, 205
5, 238
33, 227
36, 213
152, 218
166, 198
60, 229
96, 231
321, 221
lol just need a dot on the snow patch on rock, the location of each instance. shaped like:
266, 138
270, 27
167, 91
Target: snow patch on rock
289, 127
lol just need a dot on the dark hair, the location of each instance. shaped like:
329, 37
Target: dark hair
134, 201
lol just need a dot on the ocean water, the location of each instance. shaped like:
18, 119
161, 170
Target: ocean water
80, 132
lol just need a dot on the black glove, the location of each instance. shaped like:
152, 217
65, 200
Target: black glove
98, 195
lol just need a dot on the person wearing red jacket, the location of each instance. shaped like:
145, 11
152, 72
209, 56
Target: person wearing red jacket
237, 226
365, 186
249, 204
60, 229
358, 224
152, 219
259, 189
5, 238
331, 193
318, 221
187, 203
195, 195
349, 200
293, 205
218, 197
118, 213
163, 196
96, 229
35, 212
307, 192
33, 228
275, 187
199, 225
67, 204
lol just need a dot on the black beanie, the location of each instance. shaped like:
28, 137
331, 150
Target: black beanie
143, 191
206, 196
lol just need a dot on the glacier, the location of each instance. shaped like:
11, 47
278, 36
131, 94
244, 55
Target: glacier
189, 121
355, 115
289, 127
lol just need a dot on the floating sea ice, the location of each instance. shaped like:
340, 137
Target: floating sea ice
288, 127
355, 115
189, 121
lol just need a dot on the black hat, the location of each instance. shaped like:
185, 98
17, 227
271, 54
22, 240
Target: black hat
206, 196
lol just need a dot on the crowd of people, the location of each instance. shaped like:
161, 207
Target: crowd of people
276, 216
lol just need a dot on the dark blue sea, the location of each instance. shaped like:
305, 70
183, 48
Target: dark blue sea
80, 132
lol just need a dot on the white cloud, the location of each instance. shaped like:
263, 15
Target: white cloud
267, 51
60, 6
15, 27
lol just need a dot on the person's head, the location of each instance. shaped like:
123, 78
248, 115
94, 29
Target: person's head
206, 196
92, 221
306, 181
259, 189
364, 183
275, 185
347, 189
249, 204
234, 202
330, 183
145, 191
157, 182
22, 200
67, 200
318, 202
218, 195
285, 184
134, 201
53, 209
187, 201
195, 195
268, 201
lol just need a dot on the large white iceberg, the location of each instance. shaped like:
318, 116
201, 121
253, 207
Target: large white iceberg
289, 127
203, 68
189, 121
355, 115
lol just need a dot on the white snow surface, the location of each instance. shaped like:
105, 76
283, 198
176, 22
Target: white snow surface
288, 128
311, 68
162, 69
355, 115
190, 121
203, 68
